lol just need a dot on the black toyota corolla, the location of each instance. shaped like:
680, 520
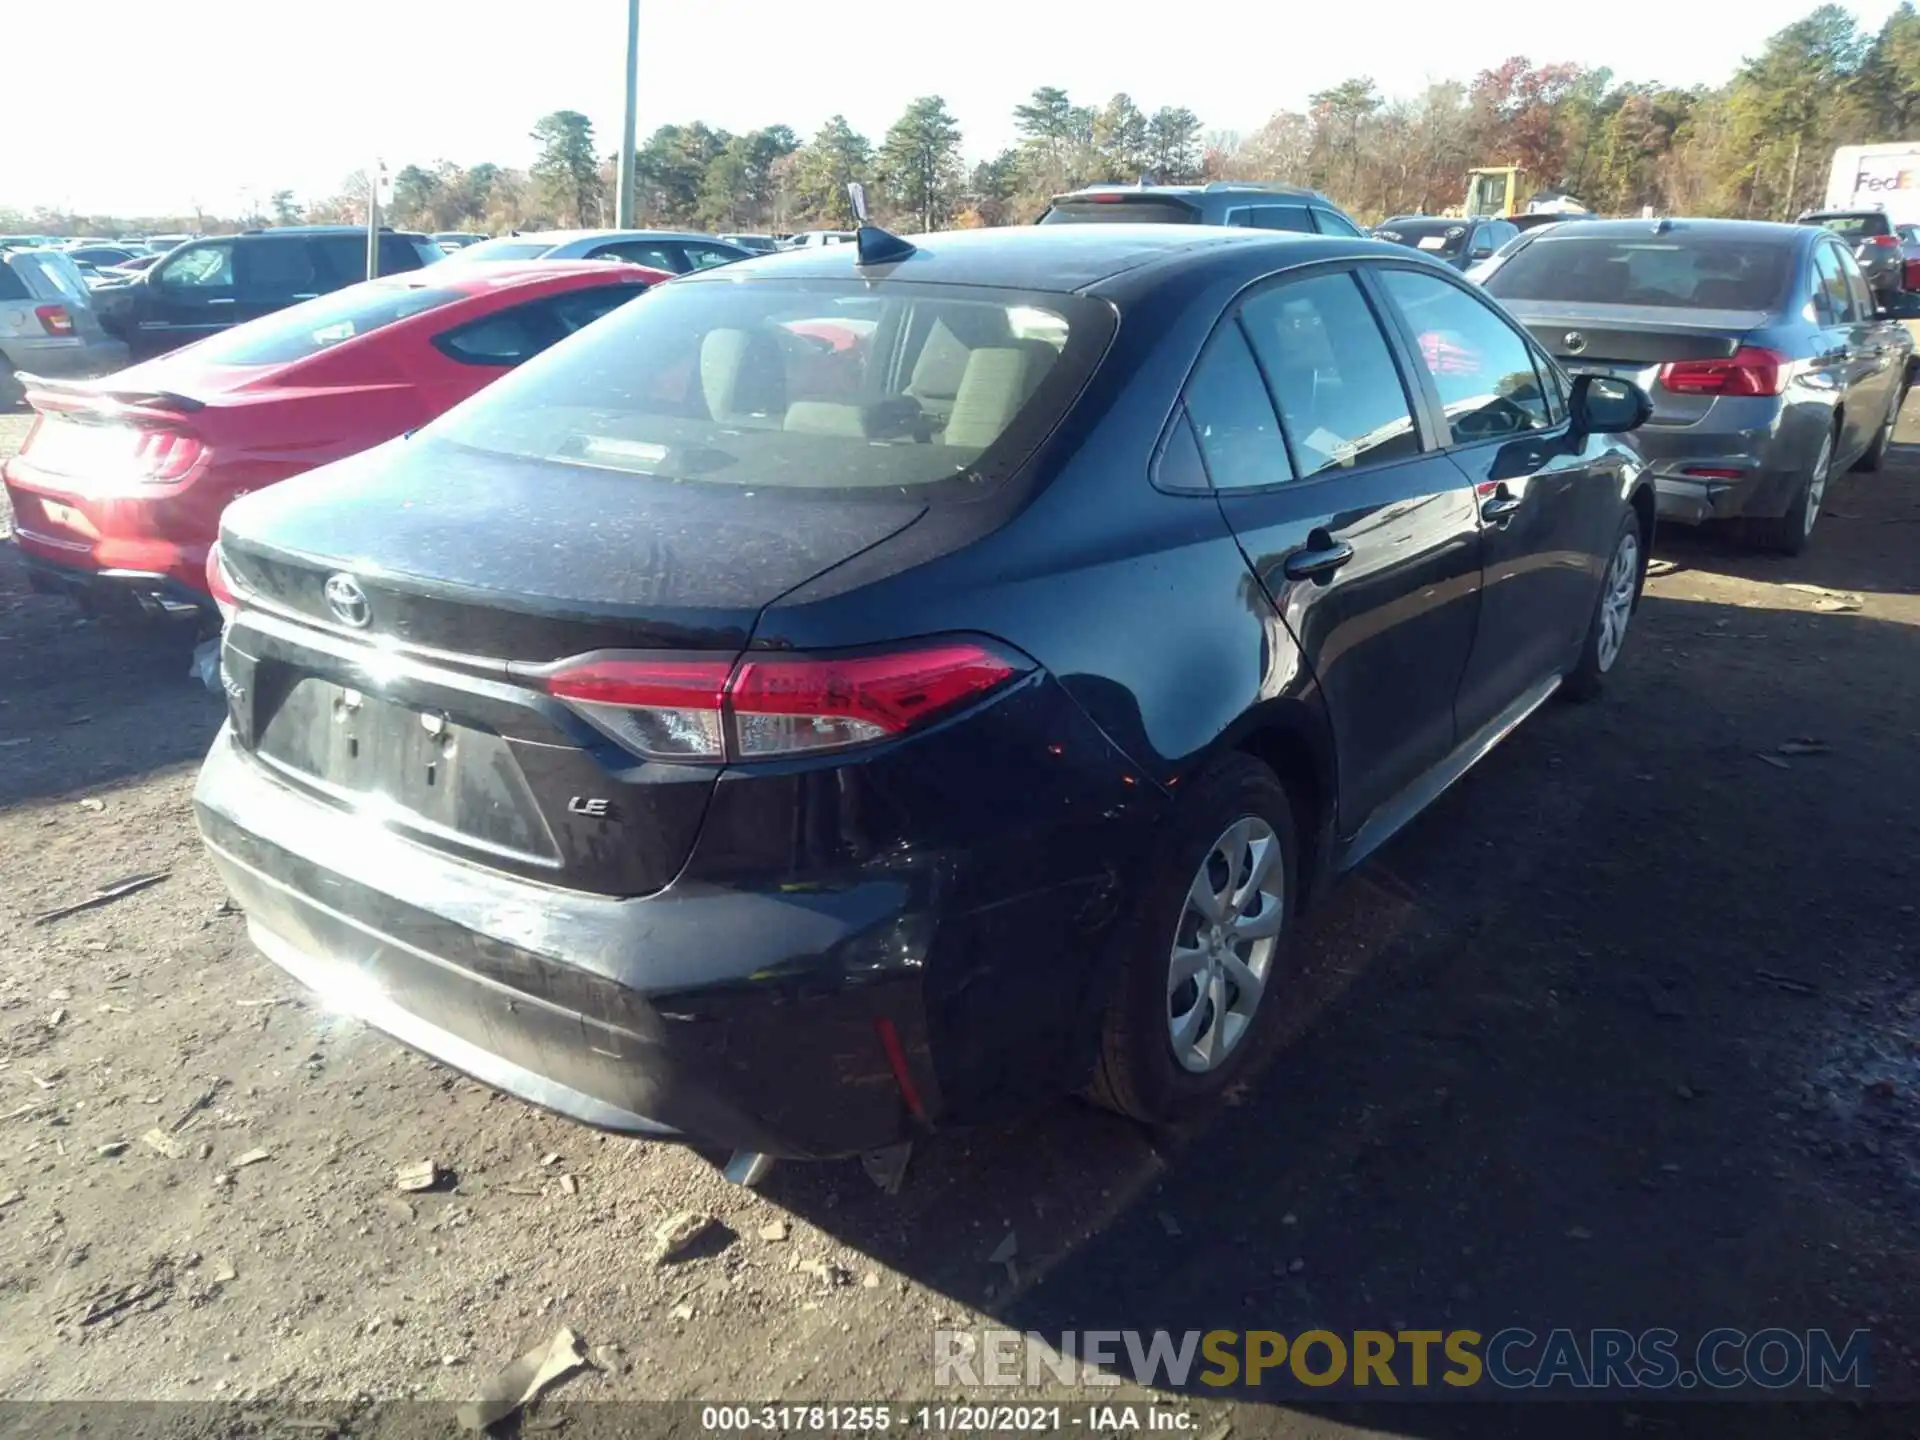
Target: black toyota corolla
832, 698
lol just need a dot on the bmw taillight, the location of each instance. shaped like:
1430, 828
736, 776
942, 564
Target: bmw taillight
1750, 370
54, 319
1883, 242
771, 704
219, 585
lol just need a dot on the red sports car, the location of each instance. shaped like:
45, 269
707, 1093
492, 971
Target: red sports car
118, 490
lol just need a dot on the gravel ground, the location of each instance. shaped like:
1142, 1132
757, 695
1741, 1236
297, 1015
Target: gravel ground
1625, 1032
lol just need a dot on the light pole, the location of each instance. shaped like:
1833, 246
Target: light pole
623, 186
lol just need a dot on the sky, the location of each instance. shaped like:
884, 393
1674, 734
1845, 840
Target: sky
239, 104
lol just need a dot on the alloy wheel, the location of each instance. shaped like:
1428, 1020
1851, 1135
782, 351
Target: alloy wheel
1224, 946
1616, 600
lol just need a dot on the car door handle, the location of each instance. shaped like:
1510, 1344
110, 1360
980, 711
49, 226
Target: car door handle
1318, 561
220, 300
1498, 509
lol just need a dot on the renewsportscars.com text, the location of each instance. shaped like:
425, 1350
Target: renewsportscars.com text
1413, 1362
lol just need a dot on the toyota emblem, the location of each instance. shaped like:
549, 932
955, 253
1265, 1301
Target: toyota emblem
347, 601
1575, 342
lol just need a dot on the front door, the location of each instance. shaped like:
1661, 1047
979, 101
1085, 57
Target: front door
189, 296
1366, 541
1549, 501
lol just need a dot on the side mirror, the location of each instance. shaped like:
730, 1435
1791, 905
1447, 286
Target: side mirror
1480, 252
1602, 405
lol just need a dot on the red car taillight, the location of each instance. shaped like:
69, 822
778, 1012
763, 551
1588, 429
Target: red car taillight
775, 704
1750, 370
218, 585
54, 319
1883, 242
161, 453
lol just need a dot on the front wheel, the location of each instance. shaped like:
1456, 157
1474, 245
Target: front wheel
1612, 612
1205, 948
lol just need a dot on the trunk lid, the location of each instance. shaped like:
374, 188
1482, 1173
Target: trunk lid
1632, 342
468, 570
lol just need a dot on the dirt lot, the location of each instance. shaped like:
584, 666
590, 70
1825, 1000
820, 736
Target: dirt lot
1626, 1032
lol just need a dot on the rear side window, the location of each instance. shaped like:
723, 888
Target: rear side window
1332, 224
273, 267
1482, 369
398, 253
1233, 418
12, 287
643, 252
339, 259
316, 325
1123, 211
1672, 271
512, 336
1282, 217
864, 388
702, 257
1332, 374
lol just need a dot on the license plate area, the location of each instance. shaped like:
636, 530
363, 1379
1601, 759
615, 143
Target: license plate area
416, 768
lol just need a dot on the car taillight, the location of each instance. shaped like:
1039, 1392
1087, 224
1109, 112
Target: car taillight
54, 319
161, 453
1750, 370
1910, 275
218, 585
1884, 241
770, 705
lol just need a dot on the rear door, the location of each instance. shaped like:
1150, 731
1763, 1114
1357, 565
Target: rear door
271, 272
338, 260
1876, 340
1366, 541
1549, 503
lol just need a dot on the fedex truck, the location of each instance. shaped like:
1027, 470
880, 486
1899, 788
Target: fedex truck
1877, 177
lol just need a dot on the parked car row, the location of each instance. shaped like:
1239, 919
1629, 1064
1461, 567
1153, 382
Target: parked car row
761, 718
880, 684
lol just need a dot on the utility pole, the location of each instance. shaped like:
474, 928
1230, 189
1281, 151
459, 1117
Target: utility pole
373, 219
623, 186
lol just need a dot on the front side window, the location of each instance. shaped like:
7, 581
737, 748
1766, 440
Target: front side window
1282, 217
1863, 305
1233, 418
199, 267
1335, 224
1481, 367
1331, 373
702, 257
758, 385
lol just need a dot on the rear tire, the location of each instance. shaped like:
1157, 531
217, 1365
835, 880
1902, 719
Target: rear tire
1789, 534
1876, 455
1213, 921
1613, 612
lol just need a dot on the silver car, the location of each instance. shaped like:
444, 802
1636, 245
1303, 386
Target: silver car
48, 324
675, 251
1768, 360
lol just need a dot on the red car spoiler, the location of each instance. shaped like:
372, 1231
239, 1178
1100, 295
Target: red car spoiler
84, 391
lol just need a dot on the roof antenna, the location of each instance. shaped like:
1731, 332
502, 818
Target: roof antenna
872, 245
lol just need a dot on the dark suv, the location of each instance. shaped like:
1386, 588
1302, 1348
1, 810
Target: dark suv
1875, 245
1223, 202
208, 285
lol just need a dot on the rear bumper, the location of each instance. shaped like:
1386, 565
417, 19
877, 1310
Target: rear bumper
116, 539
1721, 471
151, 590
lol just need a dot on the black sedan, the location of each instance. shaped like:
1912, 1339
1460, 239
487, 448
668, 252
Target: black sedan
829, 699
1459, 242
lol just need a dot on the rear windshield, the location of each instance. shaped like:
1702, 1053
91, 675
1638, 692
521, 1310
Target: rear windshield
507, 247
1123, 211
1872, 223
315, 325
1676, 272
1440, 237
863, 389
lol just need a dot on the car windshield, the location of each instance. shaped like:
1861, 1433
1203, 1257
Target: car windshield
507, 247
1445, 238
1872, 223
856, 387
1122, 210
1675, 272
316, 325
